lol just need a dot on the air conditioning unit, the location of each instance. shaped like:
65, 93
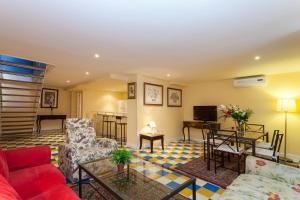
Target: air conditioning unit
250, 81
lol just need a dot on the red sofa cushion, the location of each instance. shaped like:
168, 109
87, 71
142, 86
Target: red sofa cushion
32, 181
28, 157
6, 191
4, 171
61, 192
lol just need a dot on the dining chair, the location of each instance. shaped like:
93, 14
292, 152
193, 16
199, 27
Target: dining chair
230, 144
208, 141
268, 145
258, 128
270, 154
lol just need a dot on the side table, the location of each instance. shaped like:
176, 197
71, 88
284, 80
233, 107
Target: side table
151, 138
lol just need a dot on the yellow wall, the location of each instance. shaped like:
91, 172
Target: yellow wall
168, 119
63, 109
100, 101
262, 100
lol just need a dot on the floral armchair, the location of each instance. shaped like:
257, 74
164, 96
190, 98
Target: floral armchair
81, 146
265, 180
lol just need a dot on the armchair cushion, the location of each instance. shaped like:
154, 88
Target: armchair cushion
28, 157
4, 171
82, 138
80, 131
272, 170
107, 143
32, 181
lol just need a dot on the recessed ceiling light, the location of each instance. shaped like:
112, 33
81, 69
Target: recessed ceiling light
87, 73
168, 75
257, 58
96, 55
68, 81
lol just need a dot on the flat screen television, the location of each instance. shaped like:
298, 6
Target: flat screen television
205, 113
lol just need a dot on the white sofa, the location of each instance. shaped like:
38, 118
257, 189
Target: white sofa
264, 180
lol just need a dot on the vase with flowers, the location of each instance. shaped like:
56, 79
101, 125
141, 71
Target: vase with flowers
240, 116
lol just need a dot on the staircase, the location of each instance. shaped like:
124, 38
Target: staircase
21, 84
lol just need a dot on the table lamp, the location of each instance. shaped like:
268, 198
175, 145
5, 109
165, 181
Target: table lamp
152, 125
286, 106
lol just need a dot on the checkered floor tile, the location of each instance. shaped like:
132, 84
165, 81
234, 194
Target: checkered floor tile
172, 179
175, 154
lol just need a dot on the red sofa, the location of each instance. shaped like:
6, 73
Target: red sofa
27, 174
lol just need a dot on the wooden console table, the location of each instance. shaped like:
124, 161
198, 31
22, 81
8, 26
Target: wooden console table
197, 125
40, 118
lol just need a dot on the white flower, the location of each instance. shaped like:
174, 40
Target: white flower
222, 107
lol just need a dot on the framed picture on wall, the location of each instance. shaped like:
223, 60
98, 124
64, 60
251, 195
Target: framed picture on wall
174, 97
131, 90
49, 98
153, 94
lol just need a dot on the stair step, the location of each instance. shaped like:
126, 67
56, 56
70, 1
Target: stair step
14, 125
16, 133
17, 121
20, 95
22, 66
19, 106
18, 112
17, 88
18, 81
21, 74
3, 117
16, 101
16, 129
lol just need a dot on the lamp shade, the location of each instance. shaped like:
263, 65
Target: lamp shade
152, 124
286, 105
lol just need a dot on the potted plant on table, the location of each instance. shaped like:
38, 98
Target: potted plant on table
240, 116
121, 157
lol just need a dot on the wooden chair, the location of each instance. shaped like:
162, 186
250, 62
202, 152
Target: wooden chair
122, 125
230, 145
108, 120
270, 154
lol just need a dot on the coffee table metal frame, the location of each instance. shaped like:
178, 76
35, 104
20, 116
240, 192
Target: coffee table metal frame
191, 181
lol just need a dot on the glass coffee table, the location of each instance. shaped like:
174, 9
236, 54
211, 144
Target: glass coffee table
139, 181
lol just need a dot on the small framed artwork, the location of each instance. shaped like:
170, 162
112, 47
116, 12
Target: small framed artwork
49, 98
153, 94
131, 90
174, 97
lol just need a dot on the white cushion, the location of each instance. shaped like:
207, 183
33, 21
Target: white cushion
230, 149
264, 145
217, 141
264, 152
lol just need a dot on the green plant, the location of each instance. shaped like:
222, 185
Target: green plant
121, 156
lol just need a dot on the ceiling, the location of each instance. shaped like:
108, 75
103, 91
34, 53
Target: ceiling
102, 84
193, 40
